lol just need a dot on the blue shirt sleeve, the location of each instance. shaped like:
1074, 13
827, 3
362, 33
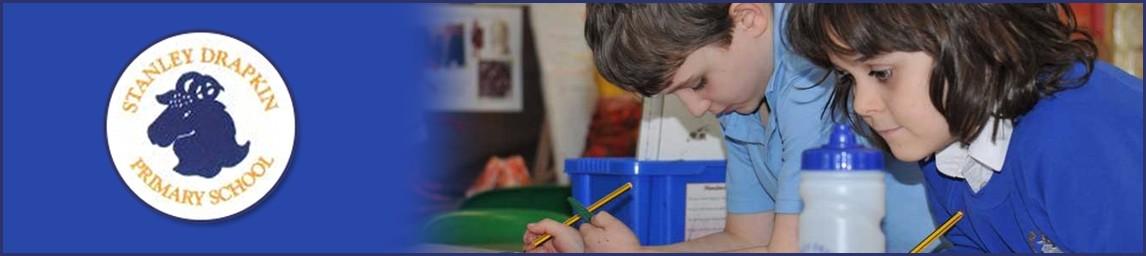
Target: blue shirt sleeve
744, 190
797, 103
797, 114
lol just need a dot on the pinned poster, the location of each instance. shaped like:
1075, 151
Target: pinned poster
475, 58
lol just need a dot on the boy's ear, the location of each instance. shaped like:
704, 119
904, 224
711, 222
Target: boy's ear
753, 18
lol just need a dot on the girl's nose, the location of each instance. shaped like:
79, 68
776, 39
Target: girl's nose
867, 100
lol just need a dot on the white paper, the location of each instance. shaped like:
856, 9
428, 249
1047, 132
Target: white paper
704, 209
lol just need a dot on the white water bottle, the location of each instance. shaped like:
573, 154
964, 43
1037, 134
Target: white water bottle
842, 186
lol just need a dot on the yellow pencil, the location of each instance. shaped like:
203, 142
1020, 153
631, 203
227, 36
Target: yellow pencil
593, 207
938, 232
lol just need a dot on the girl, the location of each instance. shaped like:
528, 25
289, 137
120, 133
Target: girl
1015, 122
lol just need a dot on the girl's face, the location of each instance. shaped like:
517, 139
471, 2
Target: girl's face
890, 93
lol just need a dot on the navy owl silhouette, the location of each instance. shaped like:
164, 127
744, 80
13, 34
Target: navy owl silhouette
199, 126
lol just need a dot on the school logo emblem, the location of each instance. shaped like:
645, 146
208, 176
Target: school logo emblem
200, 126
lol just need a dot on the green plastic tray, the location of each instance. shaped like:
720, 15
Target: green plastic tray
546, 198
497, 229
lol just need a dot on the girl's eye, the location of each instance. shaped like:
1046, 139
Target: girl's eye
882, 75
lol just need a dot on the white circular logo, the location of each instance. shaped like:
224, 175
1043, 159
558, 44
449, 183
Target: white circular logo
200, 126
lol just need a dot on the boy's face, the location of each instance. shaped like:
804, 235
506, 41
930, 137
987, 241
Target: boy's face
891, 94
720, 80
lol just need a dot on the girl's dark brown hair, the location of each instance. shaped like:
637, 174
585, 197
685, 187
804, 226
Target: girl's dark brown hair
997, 60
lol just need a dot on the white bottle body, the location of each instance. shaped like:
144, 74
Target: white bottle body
842, 211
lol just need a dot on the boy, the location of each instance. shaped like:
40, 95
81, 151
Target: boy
729, 60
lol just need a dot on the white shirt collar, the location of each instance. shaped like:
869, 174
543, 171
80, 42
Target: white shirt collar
977, 162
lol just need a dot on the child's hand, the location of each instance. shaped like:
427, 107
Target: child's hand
607, 234
565, 239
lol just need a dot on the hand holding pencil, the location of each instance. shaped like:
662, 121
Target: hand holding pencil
566, 239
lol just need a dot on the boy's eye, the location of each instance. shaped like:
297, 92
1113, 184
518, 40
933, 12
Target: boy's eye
700, 84
882, 75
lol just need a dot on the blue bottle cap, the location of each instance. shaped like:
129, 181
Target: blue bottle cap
842, 153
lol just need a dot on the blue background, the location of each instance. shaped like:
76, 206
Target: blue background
350, 68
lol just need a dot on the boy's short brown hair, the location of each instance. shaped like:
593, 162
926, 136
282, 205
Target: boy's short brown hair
640, 46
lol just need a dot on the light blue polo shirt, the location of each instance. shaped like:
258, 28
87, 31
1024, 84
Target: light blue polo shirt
764, 159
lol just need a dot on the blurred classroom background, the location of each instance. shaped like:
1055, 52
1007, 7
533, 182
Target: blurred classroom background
518, 96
